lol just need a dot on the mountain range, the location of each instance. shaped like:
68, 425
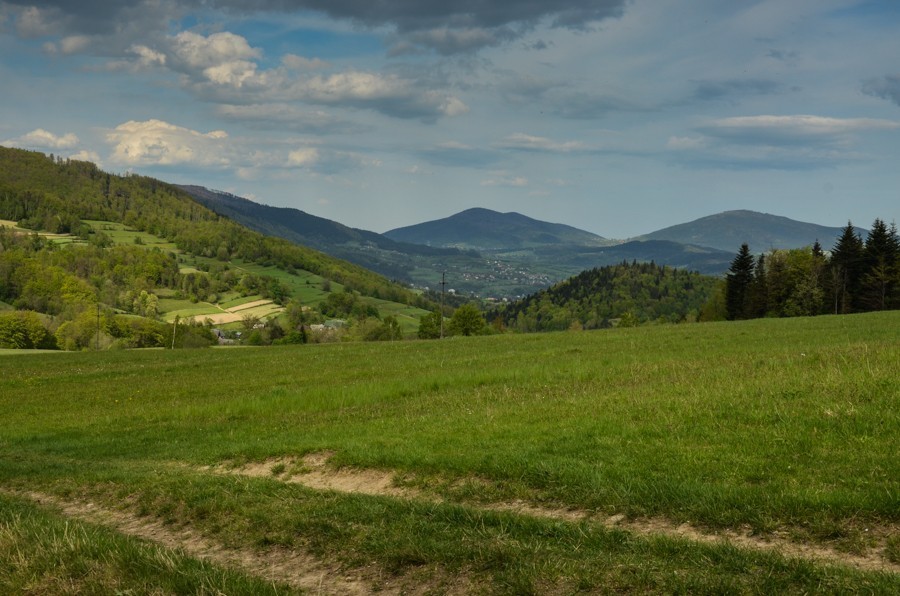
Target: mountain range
483, 229
504, 255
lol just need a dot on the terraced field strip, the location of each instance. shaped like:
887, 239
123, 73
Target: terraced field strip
258, 308
249, 305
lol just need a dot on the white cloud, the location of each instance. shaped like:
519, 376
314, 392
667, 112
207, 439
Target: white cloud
449, 105
524, 142
147, 56
223, 67
685, 143
33, 22
45, 140
797, 129
294, 62
504, 179
304, 157
155, 142
74, 44
454, 145
221, 58
67, 46
85, 155
386, 93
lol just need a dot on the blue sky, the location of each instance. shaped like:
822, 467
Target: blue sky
615, 116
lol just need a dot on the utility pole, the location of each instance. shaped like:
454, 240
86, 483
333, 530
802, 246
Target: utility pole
174, 329
443, 283
98, 325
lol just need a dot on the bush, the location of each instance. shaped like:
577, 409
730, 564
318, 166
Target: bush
24, 330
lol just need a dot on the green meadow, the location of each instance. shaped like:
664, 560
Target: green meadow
781, 431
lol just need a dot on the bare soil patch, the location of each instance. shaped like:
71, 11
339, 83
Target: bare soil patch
248, 305
236, 313
314, 472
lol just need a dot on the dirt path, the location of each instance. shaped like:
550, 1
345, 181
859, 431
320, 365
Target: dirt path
310, 574
313, 472
296, 569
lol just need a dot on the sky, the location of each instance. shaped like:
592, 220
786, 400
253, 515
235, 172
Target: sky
619, 117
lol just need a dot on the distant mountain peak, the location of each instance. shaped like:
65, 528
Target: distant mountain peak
761, 231
484, 229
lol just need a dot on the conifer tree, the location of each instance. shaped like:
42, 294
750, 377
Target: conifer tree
738, 285
846, 270
878, 281
759, 301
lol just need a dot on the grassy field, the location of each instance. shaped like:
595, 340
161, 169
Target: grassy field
747, 457
119, 233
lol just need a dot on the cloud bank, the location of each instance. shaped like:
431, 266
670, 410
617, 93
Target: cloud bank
418, 25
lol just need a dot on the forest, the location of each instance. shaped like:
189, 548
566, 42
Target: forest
626, 294
69, 292
855, 276
48, 193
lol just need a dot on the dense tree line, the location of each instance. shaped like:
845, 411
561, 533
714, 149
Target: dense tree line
628, 293
857, 276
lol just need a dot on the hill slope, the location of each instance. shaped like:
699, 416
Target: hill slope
761, 231
364, 248
60, 195
482, 229
518, 254
642, 292
706, 260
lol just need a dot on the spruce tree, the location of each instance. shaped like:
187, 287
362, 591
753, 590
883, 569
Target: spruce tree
846, 270
738, 285
759, 300
878, 280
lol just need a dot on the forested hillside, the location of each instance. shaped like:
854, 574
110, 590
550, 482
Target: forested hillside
74, 286
44, 193
627, 294
375, 252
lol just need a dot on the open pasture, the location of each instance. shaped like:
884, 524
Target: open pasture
58, 239
757, 456
119, 233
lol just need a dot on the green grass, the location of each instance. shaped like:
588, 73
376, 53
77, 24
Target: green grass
407, 316
787, 425
42, 552
119, 233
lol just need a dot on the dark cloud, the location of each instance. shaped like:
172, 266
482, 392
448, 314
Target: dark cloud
584, 106
459, 155
887, 87
420, 15
525, 89
93, 17
711, 90
444, 26
782, 55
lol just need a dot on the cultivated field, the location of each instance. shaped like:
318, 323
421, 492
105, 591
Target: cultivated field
752, 457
